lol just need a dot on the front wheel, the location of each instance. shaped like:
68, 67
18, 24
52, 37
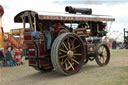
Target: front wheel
102, 54
67, 53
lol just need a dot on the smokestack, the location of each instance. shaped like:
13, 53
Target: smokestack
72, 10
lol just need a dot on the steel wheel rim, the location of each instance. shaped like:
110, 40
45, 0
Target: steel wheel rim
102, 54
71, 54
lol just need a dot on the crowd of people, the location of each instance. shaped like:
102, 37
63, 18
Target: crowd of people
9, 59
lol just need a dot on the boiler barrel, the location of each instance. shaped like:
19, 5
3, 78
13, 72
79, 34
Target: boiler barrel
78, 10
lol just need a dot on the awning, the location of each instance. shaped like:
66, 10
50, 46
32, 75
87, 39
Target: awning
63, 16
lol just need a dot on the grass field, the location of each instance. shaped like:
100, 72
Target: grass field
115, 73
122, 65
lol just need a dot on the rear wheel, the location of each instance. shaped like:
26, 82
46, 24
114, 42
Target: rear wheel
102, 54
67, 53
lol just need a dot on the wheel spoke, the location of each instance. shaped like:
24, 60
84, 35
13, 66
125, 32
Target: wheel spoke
99, 52
68, 44
73, 40
76, 46
103, 48
105, 54
65, 46
63, 50
60, 53
63, 56
77, 54
103, 60
99, 57
75, 61
74, 51
66, 66
72, 43
100, 49
62, 62
74, 57
71, 66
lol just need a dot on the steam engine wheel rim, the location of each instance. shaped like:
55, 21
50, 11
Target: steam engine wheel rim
103, 55
70, 54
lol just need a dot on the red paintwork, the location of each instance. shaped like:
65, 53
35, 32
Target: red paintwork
27, 31
32, 53
45, 61
42, 49
14, 42
80, 31
33, 62
32, 50
91, 46
76, 18
27, 37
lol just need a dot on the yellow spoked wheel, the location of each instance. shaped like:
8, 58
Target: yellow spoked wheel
102, 54
67, 53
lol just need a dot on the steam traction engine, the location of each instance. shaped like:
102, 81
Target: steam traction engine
78, 40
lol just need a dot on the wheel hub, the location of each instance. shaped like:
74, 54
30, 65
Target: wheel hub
70, 54
101, 54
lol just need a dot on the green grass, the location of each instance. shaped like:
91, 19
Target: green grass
123, 74
119, 52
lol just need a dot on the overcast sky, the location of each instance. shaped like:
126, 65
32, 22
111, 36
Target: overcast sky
116, 8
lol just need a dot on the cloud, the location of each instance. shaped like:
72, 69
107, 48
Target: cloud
91, 2
12, 8
116, 8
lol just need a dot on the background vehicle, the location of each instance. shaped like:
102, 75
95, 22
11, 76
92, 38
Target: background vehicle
125, 38
78, 40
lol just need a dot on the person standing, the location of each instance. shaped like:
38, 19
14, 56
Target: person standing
21, 54
17, 57
1, 54
46, 31
9, 45
8, 54
2, 57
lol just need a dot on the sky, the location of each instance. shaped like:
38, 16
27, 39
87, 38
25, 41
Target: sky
115, 8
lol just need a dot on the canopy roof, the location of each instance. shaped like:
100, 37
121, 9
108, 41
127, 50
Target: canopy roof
62, 16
